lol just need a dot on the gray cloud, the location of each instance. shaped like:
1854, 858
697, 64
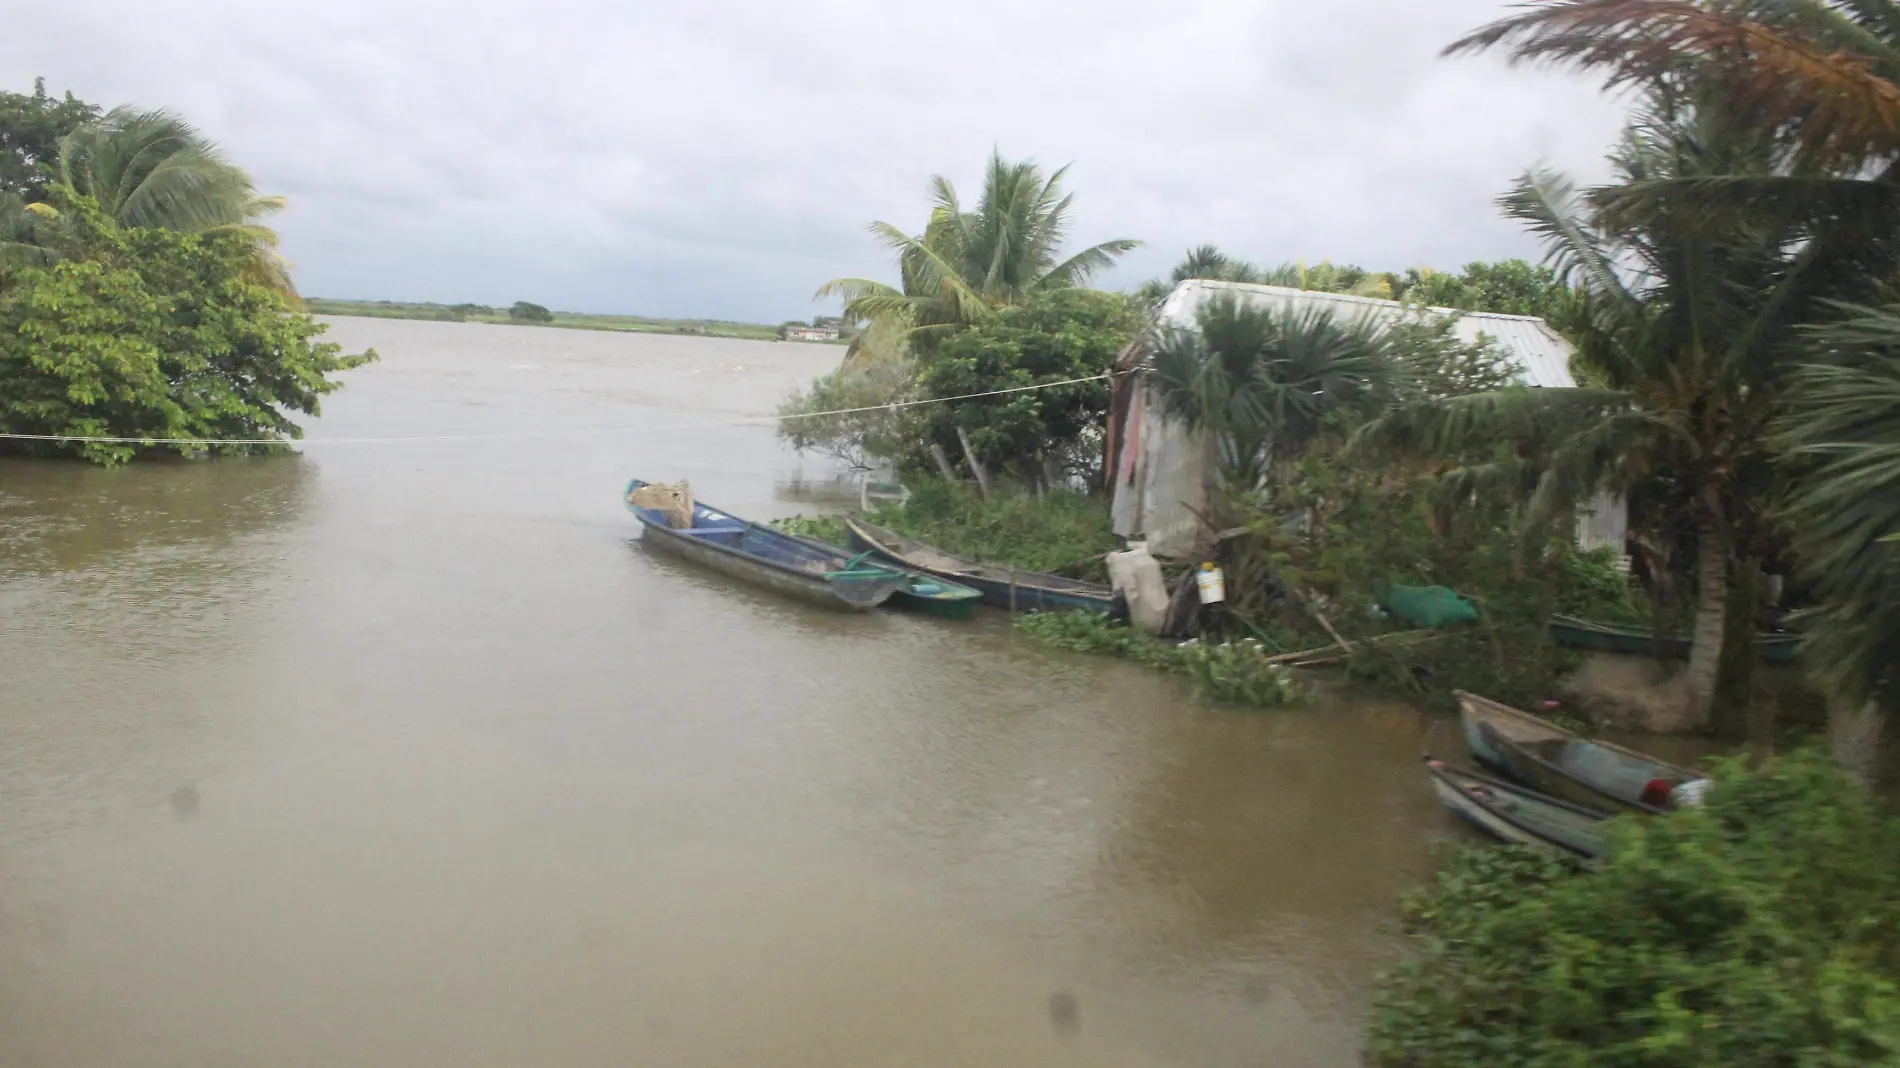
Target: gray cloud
722, 157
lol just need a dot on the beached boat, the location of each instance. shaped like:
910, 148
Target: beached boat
1512, 813
1555, 761
1774, 648
1004, 587
810, 571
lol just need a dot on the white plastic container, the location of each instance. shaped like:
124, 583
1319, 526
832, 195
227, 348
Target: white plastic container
1212, 583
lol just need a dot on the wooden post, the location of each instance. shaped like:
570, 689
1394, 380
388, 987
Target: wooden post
976, 466
943, 462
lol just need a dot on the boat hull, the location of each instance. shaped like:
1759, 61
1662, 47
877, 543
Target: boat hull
1516, 815
946, 605
761, 556
1560, 763
1640, 641
1001, 587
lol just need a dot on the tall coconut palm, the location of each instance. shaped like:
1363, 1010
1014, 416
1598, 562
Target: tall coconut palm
1692, 322
153, 169
1842, 435
967, 262
1826, 73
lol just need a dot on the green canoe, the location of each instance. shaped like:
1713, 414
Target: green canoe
1778, 648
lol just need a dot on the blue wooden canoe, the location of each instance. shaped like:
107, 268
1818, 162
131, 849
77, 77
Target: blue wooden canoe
1003, 587
810, 571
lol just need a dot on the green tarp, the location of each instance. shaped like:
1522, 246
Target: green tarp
1428, 606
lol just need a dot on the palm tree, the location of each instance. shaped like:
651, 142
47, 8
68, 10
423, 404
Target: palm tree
1829, 70
153, 169
1842, 434
1260, 382
1691, 329
1827, 75
967, 263
1202, 261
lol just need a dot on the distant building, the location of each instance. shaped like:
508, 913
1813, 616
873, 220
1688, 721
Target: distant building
798, 332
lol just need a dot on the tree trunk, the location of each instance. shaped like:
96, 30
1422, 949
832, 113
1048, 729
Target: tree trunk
1711, 616
1853, 735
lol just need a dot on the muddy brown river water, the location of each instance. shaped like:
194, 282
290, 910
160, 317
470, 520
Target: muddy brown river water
392, 755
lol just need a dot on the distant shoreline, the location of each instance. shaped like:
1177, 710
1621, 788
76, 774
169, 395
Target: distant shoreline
466, 313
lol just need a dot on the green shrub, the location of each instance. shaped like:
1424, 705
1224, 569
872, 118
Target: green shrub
1063, 533
1761, 929
1235, 671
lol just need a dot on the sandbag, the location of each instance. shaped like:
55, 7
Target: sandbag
1137, 577
674, 502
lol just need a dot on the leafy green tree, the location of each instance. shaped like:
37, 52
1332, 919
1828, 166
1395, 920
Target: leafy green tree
1442, 364
31, 126
1262, 381
867, 431
966, 263
527, 312
1508, 287
154, 333
1760, 929
1053, 336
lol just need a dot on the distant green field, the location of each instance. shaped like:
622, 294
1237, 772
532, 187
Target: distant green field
473, 313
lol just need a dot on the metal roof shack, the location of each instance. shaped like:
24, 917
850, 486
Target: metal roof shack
1160, 471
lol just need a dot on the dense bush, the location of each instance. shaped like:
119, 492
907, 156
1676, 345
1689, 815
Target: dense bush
136, 332
1339, 532
1056, 336
1762, 929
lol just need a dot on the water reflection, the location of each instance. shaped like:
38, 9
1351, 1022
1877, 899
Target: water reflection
72, 516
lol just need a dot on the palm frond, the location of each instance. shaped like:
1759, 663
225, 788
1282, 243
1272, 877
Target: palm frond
1842, 107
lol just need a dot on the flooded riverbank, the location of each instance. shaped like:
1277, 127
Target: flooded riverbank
403, 754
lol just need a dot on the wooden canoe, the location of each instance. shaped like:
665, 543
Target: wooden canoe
1561, 763
923, 593
1512, 813
1004, 587
810, 571
1775, 648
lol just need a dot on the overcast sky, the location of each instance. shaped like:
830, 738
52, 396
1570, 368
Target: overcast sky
721, 158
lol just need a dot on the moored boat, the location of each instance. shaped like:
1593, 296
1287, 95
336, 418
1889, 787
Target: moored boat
1775, 648
923, 593
1512, 813
1004, 587
821, 574
1561, 763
